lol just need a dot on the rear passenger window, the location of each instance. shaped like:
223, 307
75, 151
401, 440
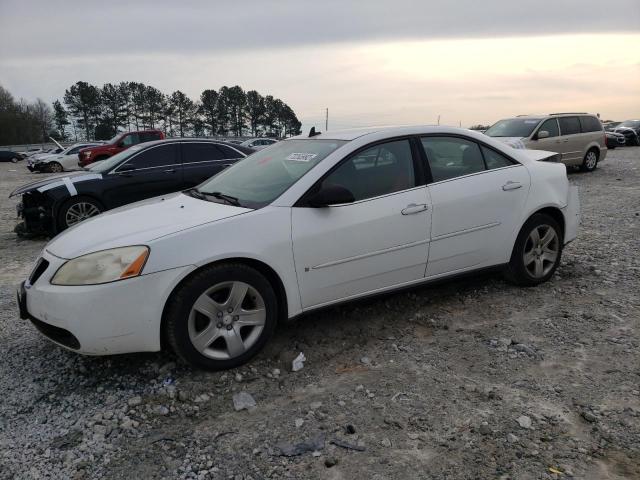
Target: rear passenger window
590, 124
451, 157
229, 152
495, 160
550, 126
379, 170
155, 157
569, 125
200, 152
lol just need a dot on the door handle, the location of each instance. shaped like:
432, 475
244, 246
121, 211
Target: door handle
511, 186
171, 170
414, 208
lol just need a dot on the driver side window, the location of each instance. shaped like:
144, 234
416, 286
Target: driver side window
550, 126
379, 170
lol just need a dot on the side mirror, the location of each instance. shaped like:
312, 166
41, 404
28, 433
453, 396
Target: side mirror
120, 144
330, 195
542, 134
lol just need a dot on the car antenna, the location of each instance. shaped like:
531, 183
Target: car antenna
313, 133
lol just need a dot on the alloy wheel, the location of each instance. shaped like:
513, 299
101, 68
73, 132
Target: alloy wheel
80, 211
541, 251
591, 160
227, 320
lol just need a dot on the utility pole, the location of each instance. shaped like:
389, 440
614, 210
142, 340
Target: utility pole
438, 119
326, 120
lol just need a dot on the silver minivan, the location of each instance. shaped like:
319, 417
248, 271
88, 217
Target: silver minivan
578, 137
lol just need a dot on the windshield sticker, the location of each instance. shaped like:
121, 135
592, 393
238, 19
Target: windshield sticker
301, 157
531, 121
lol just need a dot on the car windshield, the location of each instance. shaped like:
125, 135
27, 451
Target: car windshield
114, 139
630, 123
263, 176
106, 165
513, 127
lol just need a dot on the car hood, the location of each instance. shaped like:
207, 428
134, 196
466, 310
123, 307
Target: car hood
139, 224
56, 181
513, 142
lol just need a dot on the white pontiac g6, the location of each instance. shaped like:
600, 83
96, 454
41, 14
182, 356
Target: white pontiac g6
305, 223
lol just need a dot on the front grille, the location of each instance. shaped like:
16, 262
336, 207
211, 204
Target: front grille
57, 334
41, 266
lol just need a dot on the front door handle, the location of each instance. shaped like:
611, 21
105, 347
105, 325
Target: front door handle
511, 186
414, 208
171, 170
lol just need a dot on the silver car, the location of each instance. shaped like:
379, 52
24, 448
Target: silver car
578, 137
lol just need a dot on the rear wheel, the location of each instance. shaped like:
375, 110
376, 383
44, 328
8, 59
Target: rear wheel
54, 167
537, 251
590, 161
77, 209
221, 317
14, 159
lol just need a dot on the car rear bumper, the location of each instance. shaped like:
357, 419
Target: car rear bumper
112, 318
571, 215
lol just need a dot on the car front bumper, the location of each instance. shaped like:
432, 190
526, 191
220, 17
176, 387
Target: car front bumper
112, 318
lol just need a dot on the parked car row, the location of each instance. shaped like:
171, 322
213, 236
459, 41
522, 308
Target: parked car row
305, 223
146, 170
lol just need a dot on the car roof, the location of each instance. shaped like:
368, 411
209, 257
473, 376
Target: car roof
196, 139
389, 131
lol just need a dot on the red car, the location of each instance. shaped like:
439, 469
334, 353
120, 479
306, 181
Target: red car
120, 142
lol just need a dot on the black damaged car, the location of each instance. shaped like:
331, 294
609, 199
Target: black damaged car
140, 172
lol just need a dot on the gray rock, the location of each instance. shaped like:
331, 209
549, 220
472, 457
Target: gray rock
524, 421
243, 401
134, 401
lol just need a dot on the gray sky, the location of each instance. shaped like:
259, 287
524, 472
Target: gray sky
370, 62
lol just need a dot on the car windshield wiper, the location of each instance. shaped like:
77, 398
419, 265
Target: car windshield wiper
227, 198
194, 192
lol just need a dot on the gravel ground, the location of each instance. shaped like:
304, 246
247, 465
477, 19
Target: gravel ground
473, 378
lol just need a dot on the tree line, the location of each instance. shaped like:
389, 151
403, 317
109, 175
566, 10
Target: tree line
23, 122
91, 112
88, 112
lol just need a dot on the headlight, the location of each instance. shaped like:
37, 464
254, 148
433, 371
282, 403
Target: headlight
103, 267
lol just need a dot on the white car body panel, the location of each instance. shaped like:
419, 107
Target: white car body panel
464, 237
321, 255
381, 247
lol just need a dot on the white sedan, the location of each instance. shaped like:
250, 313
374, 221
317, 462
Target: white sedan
305, 223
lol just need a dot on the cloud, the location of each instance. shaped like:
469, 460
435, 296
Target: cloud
44, 28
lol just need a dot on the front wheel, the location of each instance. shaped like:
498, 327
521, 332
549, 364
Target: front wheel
54, 167
77, 209
590, 161
221, 317
14, 160
537, 251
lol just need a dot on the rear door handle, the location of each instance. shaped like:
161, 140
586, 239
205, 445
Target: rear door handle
511, 186
171, 170
414, 208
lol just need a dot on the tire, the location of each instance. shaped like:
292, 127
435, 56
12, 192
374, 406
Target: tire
54, 167
211, 336
531, 265
14, 159
82, 207
590, 161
